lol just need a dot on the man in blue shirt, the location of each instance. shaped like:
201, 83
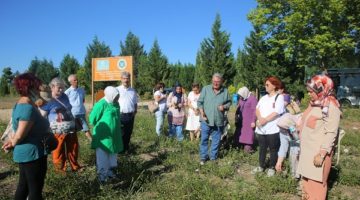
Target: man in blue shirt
76, 97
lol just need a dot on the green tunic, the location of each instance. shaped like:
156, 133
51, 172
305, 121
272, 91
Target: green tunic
105, 118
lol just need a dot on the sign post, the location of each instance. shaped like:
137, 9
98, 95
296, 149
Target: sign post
109, 69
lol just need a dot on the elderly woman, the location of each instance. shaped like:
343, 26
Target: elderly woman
176, 113
58, 112
318, 131
30, 129
247, 109
160, 99
268, 111
107, 137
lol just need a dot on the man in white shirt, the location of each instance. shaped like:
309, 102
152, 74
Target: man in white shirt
128, 107
76, 97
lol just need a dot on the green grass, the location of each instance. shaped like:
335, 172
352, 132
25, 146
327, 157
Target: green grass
162, 168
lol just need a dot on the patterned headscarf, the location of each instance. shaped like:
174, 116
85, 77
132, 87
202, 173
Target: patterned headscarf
323, 87
178, 95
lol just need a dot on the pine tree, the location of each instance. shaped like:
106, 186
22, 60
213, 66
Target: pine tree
43, 69
155, 68
215, 56
96, 49
132, 47
69, 65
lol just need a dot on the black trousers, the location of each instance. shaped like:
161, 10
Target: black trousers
127, 122
31, 179
273, 143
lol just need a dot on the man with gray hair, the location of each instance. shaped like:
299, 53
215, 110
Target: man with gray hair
76, 97
128, 107
214, 100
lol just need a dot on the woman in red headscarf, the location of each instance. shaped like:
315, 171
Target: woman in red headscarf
319, 130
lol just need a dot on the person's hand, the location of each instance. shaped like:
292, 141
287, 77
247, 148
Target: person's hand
318, 160
7, 146
221, 108
203, 116
262, 121
196, 112
278, 166
253, 125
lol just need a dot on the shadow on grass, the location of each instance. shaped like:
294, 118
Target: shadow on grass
4, 175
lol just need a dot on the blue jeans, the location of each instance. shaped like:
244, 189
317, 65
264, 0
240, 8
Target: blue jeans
176, 129
215, 132
159, 115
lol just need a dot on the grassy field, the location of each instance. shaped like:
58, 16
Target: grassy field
162, 168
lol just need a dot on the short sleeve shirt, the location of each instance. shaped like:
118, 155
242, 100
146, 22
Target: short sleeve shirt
31, 147
266, 106
76, 97
162, 102
53, 106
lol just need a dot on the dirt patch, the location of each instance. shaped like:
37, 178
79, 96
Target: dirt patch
5, 115
8, 180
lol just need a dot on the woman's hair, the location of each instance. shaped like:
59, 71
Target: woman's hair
57, 81
274, 81
159, 85
283, 87
195, 85
26, 82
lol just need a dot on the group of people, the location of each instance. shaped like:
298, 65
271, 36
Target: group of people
310, 135
43, 111
174, 104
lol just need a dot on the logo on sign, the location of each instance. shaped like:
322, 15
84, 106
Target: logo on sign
122, 64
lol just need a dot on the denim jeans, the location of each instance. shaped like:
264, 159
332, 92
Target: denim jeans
215, 132
83, 122
285, 142
176, 129
159, 115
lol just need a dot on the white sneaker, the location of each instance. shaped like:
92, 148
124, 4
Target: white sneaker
202, 162
257, 170
270, 172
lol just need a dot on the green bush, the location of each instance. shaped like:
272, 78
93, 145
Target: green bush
147, 96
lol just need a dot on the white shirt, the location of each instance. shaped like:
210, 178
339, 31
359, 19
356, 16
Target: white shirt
266, 106
128, 99
162, 102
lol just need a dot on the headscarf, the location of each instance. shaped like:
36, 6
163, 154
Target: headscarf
244, 92
177, 95
323, 87
110, 94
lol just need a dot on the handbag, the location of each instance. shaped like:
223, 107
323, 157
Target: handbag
50, 142
8, 133
78, 125
293, 108
153, 106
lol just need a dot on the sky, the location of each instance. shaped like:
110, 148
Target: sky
49, 29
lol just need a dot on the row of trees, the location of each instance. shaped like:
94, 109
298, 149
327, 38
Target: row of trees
291, 39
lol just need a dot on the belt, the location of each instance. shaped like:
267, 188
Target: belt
129, 113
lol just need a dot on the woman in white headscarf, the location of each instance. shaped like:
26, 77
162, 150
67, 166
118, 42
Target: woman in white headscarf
245, 121
107, 138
